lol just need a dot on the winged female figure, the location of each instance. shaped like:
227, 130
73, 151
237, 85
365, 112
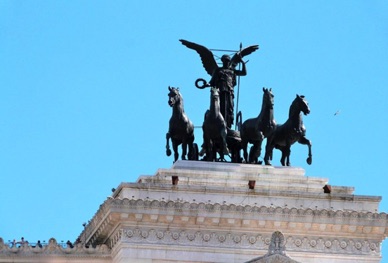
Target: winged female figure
223, 78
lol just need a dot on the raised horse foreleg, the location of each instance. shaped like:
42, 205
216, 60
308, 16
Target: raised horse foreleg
305, 141
168, 150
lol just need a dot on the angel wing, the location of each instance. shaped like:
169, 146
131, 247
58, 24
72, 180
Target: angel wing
206, 55
244, 52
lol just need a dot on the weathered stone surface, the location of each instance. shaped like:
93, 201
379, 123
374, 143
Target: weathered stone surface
223, 212
211, 215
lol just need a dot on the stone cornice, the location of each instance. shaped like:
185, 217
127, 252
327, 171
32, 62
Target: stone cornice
123, 211
216, 209
166, 187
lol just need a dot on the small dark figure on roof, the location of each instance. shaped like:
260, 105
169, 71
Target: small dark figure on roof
69, 244
39, 244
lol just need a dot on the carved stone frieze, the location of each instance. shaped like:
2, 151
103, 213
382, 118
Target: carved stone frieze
241, 240
262, 216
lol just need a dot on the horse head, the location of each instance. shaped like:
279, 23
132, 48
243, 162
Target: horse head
300, 105
268, 98
173, 96
215, 102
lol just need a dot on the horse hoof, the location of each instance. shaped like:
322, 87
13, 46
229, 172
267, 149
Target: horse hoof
168, 152
309, 160
202, 152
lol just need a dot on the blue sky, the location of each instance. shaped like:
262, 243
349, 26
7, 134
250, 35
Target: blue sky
83, 97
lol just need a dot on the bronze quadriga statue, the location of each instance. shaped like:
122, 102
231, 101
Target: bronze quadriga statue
218, 135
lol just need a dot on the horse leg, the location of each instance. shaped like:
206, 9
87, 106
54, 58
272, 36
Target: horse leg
244, 146
168, 150
268, 152
206, 148
224, 150
175, 148
210, 150
184, 149
258, 152
218, 149
255, 152
194, 155
203, 150
303, 140
288, 154
283, 158
286, 151
191, 150
237, 155
252, 153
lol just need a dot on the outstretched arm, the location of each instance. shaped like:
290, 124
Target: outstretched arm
243, 71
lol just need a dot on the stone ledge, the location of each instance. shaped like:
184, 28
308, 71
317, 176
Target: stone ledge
243, 195
238, 168
237, 181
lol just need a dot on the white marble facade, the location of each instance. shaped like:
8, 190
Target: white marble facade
206, 212
224, 212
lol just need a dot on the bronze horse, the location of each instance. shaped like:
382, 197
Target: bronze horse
214, 129
256, 129
181, 129
290, 132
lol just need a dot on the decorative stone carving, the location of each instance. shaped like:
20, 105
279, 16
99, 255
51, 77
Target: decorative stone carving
276, 251
237, 240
